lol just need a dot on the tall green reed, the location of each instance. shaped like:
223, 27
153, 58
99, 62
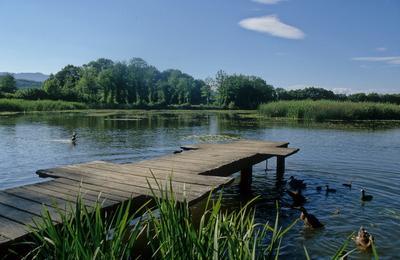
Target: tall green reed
331, 110
86, 233
219, 235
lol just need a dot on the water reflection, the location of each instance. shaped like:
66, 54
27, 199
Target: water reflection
368, 154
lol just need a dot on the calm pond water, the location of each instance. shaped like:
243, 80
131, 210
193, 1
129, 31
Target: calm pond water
367, 155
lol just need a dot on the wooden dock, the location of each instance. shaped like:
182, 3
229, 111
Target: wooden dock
193, 174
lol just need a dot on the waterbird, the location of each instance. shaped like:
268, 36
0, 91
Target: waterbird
347, 184
365, 197
74, 137
329, 189
178, 151
296, 183
309, 219
364, 239
318, 188
298, 198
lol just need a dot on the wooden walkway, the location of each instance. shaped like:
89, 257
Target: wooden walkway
115, 183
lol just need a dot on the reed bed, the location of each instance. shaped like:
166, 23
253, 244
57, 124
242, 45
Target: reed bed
324, 110
21, 105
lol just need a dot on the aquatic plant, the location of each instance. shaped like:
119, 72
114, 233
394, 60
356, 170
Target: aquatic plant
331, 110
86, 233
220, 235
20, 105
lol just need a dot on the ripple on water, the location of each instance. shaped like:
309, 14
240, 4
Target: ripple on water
371, 159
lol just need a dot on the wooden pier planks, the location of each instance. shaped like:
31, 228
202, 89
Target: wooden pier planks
115, 183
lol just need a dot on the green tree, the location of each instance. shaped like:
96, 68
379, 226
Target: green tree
8, 84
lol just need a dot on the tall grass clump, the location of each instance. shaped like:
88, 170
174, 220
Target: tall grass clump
87, 233
21, 105
220, 235
331, 110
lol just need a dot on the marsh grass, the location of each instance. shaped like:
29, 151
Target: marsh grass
21, 105
219, 235
331, 110
87, 233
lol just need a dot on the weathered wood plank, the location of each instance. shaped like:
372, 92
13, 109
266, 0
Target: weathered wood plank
109, 182
77, 187
127, 181
132, 169
11, 230
39, 198
97, 188
16, 215
68, 191
71, 198
27, 205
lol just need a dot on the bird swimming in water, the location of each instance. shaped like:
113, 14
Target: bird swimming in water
178, 151
296, 183
364, 239
309, 219
329, 189
318, 188
347, 185
74, 138
365, 197
298, 198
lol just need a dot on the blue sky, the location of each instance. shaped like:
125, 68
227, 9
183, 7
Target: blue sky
345, 45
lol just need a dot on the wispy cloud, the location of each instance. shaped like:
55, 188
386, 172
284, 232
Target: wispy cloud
268, 2
388, 59
270, 24
381, 49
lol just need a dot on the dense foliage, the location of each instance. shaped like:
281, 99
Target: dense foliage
108, 84
8, 84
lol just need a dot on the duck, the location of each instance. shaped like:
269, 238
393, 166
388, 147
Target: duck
347, 184
329, 189
309, 219
318, 188
178, 151
364, 239
298, 198
296, 183
365, 197
74, 137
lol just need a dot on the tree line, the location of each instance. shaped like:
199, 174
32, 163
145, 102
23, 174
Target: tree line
136, 83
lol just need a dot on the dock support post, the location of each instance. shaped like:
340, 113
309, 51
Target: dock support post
280, 167
246, 177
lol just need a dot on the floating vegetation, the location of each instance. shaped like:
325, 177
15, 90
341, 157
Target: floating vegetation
213, 138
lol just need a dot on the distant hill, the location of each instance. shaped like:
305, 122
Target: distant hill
31, 76
27, 79
23, 83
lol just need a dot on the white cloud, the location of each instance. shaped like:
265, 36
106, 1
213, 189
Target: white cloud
388, 59
270, 24
381, 49
267, 2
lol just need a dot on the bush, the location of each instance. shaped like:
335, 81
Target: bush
31, 94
